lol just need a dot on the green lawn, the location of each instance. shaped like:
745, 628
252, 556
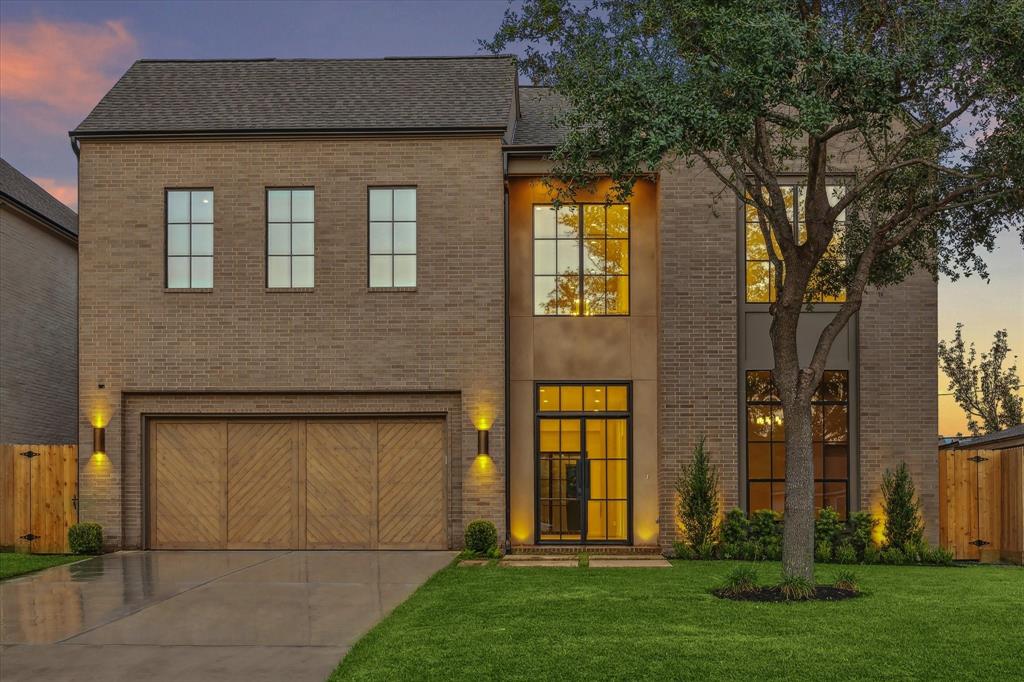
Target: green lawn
12, 564
630, 624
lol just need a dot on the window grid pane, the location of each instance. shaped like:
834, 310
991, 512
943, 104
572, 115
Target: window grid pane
291, 242
581, 259
392, 237
189, 236
766, 442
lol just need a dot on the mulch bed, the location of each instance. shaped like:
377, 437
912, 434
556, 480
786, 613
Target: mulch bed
774, 594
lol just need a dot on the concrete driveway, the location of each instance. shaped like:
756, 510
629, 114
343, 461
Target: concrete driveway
201, 615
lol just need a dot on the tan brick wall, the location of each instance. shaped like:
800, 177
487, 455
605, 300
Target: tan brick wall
38, 341
339, 340
898, 406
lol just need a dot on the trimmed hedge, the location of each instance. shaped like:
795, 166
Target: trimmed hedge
86, 538
481, 536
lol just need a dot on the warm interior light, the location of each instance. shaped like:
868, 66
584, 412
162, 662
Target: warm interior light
99, 440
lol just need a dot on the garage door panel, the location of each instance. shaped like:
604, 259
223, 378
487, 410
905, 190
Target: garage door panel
411, 506
262, 491
340, 484
189, 471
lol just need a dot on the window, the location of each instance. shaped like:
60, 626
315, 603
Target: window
592, 239
766, 443
392, 237
189, 239
760, 272
290, 238
582, 461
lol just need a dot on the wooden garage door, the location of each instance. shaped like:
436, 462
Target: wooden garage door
297, 484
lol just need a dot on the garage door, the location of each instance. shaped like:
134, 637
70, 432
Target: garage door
297, 484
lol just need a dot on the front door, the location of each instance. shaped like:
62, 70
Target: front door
583, 456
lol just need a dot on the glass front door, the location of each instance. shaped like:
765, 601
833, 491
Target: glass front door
583, 464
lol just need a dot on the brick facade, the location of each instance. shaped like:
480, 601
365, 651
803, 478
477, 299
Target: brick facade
339, 348
38, 362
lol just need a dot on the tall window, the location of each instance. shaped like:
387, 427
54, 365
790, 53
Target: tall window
592, 239
766, 443
760, 272
392, 237
189, 239
290, 238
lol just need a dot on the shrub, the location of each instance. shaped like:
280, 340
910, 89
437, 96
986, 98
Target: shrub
796, 588
823, 551
770, 548
902, 508
750, 550
893, 556
860, 528
481, 536
827, 527
697, 488
765, 523
846, 554
740, 580
681, 550
730, 550
940, 556
872, 555
86, 538
736, 527
846, 580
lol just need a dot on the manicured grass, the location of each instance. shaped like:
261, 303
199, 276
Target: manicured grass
494, 622
12, 564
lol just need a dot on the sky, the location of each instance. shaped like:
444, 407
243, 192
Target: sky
57, 59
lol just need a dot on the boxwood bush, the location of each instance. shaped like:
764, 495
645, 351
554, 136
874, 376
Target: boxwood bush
86, 538
481, 537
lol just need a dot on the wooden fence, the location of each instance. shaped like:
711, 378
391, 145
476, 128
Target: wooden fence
981, 504
38, 497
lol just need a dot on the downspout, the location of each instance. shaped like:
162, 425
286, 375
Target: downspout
508, 386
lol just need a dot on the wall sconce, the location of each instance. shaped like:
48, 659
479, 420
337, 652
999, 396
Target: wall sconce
99, 440
483, 445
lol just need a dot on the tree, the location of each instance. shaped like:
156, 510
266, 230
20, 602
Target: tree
902, 509
697, 489
921, 100
984, 391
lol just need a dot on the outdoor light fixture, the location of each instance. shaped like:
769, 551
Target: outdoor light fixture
99, 440
483, 446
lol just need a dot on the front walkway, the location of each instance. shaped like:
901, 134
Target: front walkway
242, 615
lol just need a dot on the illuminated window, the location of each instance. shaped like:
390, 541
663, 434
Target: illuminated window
392, 237
583, 457
766, 443
581, 259
290, 238
760, 271
189, 239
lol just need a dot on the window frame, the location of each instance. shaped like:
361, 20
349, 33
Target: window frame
580, 239
416, 251
582, 415
291, 223
167, 238
771, 480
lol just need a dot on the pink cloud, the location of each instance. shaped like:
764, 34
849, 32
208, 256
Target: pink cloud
59, 70
66, 193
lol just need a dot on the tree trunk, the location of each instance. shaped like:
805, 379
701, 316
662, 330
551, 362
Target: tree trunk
798, 529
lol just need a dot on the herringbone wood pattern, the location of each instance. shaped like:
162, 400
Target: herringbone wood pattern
411, 502
340, 484
189, 505
262, 485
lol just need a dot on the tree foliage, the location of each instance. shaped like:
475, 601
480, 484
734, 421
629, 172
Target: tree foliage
902, 508
987, 393
697, 490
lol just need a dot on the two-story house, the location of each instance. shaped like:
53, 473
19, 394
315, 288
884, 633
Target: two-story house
331, 304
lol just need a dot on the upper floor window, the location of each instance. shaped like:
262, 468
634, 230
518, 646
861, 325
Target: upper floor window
760, 271
290, 238
392, 236
190, 239
581, 259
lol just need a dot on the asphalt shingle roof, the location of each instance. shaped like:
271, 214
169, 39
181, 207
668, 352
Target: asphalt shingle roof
539, 108
18, 189
409, 94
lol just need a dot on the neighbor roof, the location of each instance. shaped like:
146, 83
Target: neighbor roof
18, 189
1000, 439
305, 95
539, 109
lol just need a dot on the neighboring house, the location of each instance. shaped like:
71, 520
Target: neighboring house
303, 294
38, 314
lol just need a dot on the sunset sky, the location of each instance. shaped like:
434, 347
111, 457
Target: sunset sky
57, 59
